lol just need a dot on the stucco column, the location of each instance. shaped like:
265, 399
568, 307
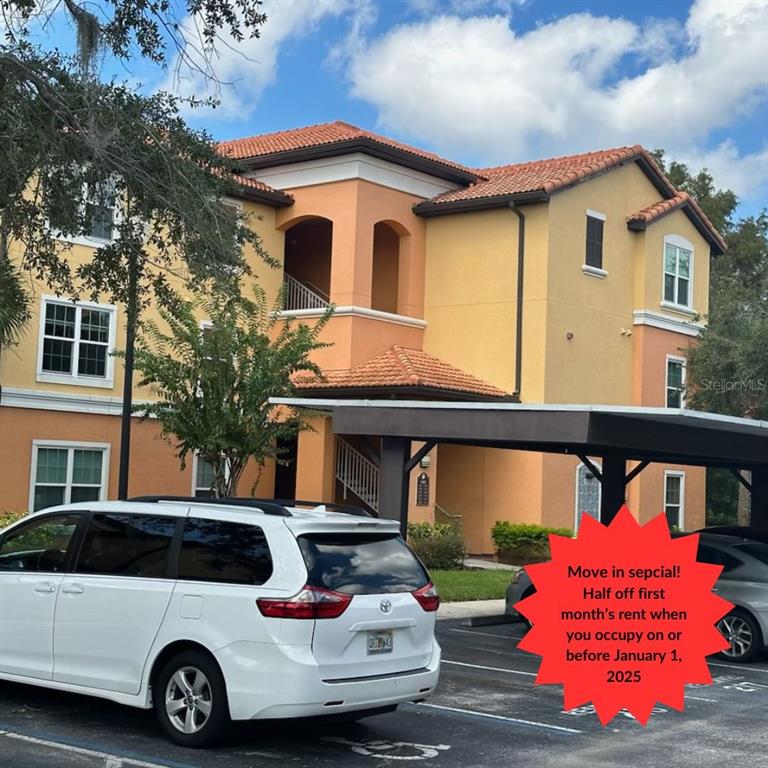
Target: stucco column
351, 263
315, 462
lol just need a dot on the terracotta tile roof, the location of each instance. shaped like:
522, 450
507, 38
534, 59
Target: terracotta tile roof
541, 175
663, 207
402, 367
319, 135
261, 191
252, 183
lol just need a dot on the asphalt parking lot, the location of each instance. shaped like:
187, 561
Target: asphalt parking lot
486, 712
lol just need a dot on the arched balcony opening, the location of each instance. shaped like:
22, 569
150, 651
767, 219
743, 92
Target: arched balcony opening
307, 264
386, 266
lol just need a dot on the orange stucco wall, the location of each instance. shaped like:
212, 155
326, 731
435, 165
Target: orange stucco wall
154, 466
355, 207
651, 347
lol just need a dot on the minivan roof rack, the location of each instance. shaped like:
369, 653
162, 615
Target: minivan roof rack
344, 509
267, 506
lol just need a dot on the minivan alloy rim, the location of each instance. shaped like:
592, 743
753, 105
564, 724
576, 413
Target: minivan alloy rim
738, 633
188, 700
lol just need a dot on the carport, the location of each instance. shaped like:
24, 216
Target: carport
616, 434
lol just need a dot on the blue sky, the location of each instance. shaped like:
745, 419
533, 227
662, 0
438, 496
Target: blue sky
492, 81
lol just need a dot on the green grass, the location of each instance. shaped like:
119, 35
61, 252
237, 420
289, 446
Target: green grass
454, 586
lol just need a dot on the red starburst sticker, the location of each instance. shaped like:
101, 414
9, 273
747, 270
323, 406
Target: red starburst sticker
623, 616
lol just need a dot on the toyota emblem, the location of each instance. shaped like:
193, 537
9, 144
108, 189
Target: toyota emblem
386, 606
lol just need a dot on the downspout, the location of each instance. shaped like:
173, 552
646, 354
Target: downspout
519, 319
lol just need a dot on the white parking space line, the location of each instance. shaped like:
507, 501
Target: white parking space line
489, 634
503, 718
700, 698
111, 761
490, 669
739, 667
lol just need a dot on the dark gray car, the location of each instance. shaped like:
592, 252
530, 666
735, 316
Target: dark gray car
743, 582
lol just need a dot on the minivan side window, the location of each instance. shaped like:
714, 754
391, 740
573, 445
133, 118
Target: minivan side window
127, 545
39, 546
224, 552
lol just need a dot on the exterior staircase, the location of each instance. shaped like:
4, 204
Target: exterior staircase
357, 475
298, 295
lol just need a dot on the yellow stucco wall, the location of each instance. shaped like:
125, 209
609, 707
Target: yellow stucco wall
18, 365
675, 223
470, 298
470, 302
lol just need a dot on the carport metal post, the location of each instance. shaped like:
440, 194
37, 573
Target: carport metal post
614, 483
759, 504
393, 480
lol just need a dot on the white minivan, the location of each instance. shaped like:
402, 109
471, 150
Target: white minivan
216, 610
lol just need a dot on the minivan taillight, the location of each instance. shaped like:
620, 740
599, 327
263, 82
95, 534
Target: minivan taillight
427, 597
310, 603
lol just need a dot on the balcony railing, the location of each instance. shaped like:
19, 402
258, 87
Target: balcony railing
298, 295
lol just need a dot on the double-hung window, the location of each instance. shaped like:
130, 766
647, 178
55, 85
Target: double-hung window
204, 478
674, 498
65, 472
76, 341
100, 210
675, 382
678, 269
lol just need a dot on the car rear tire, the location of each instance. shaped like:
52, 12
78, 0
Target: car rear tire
743, 633
190, 700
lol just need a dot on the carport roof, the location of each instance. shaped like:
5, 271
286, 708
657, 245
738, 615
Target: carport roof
675, 436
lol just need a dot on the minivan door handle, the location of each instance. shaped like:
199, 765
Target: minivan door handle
73, 589
45, 587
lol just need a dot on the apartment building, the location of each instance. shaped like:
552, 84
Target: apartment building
577, 279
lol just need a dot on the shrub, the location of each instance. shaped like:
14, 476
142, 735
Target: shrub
522, 543
438, 545
6, 518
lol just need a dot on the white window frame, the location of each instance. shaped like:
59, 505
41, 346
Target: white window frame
87, 240
677, 241
71, 446
74, 378
576, 492
684, 363
195, 487
681, 474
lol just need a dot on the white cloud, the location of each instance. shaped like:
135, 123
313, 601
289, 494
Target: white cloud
474, 86
243, 69
746, 175
464, 7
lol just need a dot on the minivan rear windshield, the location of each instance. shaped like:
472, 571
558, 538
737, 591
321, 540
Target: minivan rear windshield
361, 564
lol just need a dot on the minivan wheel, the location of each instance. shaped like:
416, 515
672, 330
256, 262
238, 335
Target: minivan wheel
190, 700
743, 634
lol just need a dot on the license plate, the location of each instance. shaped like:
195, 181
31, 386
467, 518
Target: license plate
380, 641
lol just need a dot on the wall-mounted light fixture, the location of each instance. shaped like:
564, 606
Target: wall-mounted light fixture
425, 462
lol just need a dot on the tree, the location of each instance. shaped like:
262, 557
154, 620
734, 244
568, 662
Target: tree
728, 366
72, 146
213, 386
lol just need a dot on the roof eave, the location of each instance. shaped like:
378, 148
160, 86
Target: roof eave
716, 247
430, 208
273, 198
368, 147
389, 392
